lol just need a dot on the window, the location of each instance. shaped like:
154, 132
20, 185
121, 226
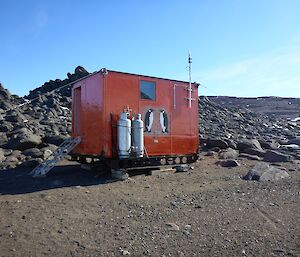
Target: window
147, 89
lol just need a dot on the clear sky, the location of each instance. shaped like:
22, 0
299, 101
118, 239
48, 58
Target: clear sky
239, 47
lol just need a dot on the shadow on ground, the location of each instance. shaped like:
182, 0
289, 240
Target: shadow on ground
17, 181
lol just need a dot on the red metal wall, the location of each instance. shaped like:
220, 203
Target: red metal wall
87, 118
103, 98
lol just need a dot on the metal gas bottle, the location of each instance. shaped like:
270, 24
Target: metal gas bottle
124, 136
138, 136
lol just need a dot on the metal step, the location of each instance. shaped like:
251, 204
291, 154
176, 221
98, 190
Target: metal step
67, 146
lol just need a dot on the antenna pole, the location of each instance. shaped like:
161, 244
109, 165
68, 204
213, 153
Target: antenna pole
190, 80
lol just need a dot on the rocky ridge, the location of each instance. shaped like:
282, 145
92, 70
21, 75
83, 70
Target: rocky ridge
30, 132
31, 127
283, 107
233, 133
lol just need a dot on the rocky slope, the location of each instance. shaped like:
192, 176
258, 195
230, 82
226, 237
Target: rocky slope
287, 108
248, 132
29, 132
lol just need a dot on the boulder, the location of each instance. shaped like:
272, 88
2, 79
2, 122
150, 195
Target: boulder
228, 154
81, 71
5, 95
33, 152
228, 163
12, 159
2, 157
23, 140
210, 153
264, 172
274, 156
182, 168
231, 143
55, 139
7, 165
249, 143
294, 141
3, 139
5, 126
211, 142
31, 163
250, 157
255, 151
272, 145
17, 154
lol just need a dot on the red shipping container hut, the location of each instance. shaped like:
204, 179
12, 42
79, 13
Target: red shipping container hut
168, 110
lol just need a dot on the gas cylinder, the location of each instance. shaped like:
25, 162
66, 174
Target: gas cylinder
138, 136
124, 136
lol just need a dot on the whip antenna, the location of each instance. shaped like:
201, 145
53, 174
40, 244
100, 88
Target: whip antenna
190, 80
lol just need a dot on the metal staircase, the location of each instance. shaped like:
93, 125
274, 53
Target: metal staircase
66, 147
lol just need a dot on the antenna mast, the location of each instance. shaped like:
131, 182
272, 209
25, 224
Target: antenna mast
190, 80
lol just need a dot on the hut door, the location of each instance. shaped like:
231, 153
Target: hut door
77, 112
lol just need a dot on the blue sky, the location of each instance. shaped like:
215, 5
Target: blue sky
239, 47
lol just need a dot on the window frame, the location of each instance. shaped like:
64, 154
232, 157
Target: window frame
140, 91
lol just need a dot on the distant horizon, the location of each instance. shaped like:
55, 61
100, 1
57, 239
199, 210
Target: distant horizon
208, 95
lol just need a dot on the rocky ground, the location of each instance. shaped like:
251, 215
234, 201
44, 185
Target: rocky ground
253, 135
212, 210
207, 211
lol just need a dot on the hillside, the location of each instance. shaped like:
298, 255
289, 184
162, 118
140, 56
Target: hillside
288, 108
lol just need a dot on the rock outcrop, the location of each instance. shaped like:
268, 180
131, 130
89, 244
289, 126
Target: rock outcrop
29, 132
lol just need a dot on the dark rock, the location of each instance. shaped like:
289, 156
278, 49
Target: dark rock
13, 118
2, 157
55, 140
231, 143
5, 126
81, 71
210, 153
250, 157
228, 163
295, 141
249, 143
274, 156
254, 151
31, 163
12, 159
211, 142
33, 152
7, 165
215, 149
228, 154
182, 168
271, 145
24, 140
17, 154
264, 172
3, 139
